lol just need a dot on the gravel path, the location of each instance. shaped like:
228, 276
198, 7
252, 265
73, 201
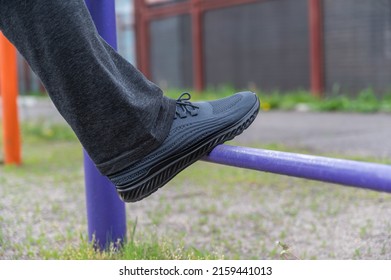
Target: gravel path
347, 134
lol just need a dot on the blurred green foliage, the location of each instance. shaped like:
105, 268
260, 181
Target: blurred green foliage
365, 101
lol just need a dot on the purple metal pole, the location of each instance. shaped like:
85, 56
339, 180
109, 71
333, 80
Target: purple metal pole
345, 172
105, 211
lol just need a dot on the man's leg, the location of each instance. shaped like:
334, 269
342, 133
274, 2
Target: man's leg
118, 115
135, 136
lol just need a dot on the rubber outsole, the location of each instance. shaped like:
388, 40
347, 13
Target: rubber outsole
165, 171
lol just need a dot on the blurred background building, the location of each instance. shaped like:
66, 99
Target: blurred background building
340, 45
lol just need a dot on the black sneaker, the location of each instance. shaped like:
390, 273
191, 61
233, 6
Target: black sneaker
196, 130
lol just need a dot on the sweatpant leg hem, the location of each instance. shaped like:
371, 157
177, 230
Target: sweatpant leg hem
162, 129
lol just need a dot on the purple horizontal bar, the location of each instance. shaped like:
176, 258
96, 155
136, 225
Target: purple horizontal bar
345, 172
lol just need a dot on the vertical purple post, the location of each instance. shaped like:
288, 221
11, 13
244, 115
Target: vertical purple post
105, 211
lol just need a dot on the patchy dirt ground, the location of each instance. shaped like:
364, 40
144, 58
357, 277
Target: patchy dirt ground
232, 212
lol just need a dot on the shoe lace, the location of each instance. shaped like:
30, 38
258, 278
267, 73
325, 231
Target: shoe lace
185, 107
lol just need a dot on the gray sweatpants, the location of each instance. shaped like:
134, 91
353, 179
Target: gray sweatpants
117, 114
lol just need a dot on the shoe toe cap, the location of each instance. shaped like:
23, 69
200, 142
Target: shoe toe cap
249, 101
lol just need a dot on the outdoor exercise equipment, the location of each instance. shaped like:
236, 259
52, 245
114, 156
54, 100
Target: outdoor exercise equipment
339, 171
9, 94
106, 212
359, 174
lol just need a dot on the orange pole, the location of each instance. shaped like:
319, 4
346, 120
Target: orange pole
9, 94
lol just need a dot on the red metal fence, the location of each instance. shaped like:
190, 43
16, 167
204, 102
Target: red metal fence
148, 11
327, 46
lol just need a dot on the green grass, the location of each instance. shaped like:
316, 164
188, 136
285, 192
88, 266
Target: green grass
40, 131
152, 248
53, 156
272, 206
